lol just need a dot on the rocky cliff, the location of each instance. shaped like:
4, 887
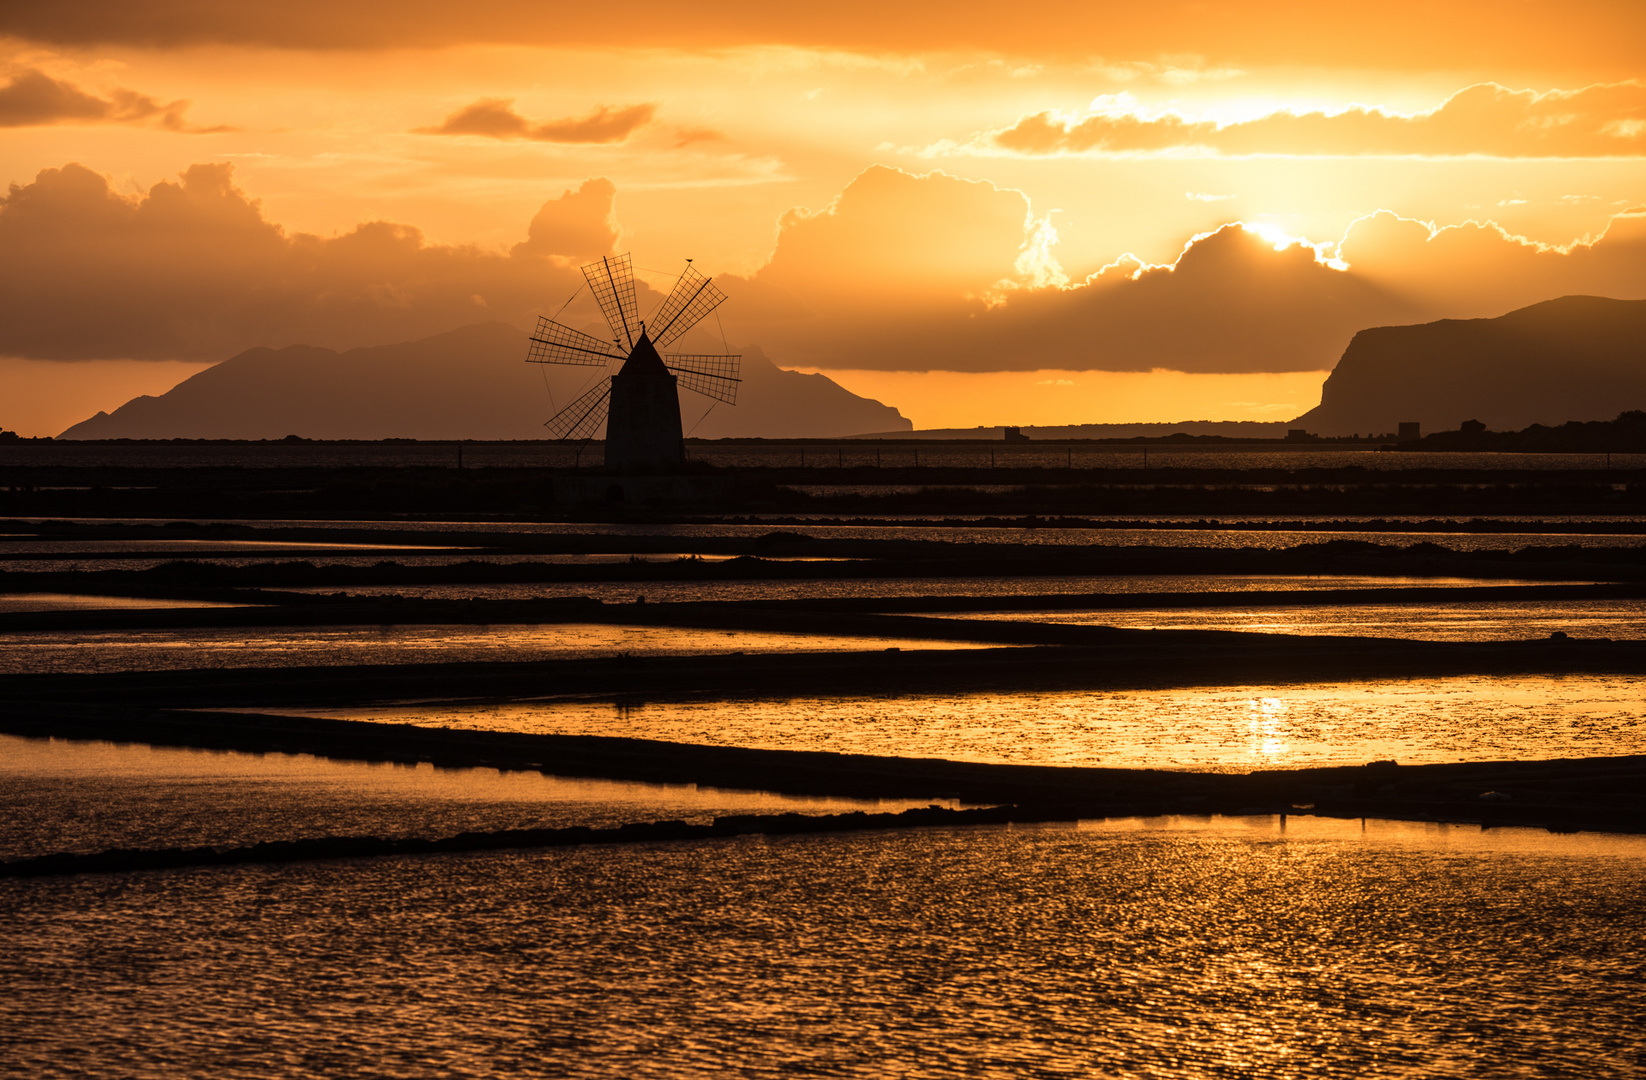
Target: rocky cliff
1575, 358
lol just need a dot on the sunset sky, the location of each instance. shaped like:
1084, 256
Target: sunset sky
979, 213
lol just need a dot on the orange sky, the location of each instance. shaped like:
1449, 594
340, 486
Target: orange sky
1003, 201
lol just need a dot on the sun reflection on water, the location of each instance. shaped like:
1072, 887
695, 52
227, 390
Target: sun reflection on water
1267, 727
1460, 718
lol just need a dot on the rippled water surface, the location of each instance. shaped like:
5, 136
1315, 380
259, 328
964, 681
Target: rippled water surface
1224, 948
60, 795
1460, 718
1177, 532
173, 650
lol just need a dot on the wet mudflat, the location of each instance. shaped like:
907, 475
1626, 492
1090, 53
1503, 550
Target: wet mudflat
1188, 948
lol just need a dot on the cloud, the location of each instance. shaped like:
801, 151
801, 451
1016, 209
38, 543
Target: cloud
905, 273
1403, 35
495, 118
1231, 302
909, 272
579, 225
901, 272
33, 99
193, 270
1604, 120
1480, 269
893, 238
687, 135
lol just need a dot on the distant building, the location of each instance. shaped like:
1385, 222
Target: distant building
1472, 427
1410, 431
1297, 434
1016, 435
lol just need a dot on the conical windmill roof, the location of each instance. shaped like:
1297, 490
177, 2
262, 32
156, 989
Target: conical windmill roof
644, 361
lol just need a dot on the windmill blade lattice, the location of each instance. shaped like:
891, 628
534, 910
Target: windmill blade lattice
612, 282
583, 417
711, 375
557, 344
692, 298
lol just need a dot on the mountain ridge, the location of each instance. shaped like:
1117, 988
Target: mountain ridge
469, 383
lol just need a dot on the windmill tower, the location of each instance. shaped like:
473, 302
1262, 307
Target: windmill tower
639, 398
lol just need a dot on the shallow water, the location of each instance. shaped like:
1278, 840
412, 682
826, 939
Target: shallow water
1419, 522
379, 557
1224, 948
35, 546
1497, 620
174, 650
1166, 531
1413, 721
62, 795
20, 602
869, 588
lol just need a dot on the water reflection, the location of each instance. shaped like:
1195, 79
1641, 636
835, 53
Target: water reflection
1459, 718
1434, 837
41, 601
1267, 727
1494, 620
1114, 951
1268, 531
58, 795
884, 587
173, 650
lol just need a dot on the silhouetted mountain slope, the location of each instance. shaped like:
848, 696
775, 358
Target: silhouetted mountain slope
1575, 358
470, 383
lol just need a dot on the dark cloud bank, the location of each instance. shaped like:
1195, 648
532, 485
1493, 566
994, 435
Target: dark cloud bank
883, 279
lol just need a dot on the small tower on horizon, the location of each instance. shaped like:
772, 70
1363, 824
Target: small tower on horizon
640, 401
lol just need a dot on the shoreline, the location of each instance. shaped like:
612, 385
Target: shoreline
1028, 656
1562, 794
730, 827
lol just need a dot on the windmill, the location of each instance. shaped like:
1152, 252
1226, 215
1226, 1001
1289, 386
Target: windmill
639, 399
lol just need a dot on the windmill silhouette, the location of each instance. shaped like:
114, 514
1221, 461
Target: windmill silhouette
639, 400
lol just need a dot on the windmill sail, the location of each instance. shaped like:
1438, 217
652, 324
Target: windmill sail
693, 297
583, 417
711, 375
557, 344
636, 398
612, 282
